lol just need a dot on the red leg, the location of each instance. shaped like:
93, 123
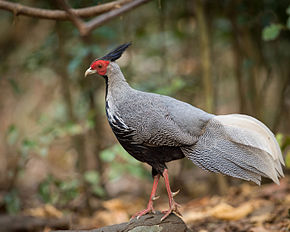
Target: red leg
173, 206
152, 198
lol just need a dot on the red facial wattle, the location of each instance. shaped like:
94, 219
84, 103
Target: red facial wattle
100, 66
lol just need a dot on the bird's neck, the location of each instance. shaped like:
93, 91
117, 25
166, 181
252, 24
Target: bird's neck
116, 84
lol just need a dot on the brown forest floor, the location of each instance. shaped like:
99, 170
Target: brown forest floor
244, 208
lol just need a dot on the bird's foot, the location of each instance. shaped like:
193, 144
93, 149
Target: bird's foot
143, 212
173, 208
149, 209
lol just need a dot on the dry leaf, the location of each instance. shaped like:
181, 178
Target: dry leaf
115, 204
197, 203
47, 211
123, 204
259, 229
116, 211
260, 219
111, 217
191, 216
227, 212
47, 229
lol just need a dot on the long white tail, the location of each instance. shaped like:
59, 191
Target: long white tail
240, 146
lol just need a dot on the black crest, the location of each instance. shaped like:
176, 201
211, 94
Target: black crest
116, 53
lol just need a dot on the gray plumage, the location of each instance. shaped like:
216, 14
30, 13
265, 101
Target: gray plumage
150, 126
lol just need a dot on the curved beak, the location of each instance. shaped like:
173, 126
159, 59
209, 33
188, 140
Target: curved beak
89, 72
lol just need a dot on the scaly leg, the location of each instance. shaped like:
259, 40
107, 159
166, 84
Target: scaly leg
173, 206
152, 198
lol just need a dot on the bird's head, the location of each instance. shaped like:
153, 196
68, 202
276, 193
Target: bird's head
100, 65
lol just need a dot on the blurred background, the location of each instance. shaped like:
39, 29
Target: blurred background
56, 147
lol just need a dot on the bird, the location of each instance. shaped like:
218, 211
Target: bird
156, 129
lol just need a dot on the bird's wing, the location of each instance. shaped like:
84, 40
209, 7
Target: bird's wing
163, 121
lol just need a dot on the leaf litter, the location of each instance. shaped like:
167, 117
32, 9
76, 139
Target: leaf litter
246, 208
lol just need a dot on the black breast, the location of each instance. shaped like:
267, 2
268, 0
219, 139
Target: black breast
156, 156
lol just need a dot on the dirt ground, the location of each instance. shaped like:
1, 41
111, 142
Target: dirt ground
246, 208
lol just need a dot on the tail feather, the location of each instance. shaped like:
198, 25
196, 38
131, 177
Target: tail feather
262, 137
239, 146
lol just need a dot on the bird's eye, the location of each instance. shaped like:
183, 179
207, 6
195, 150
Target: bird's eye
99, 66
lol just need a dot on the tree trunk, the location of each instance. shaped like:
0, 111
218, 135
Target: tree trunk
205, 50
238, 63
14, 223
205, 55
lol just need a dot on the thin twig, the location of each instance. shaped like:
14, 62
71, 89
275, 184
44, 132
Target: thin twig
100, 20
19, 9
86, 27
73, 17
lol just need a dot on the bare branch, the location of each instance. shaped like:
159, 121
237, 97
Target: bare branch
19, 9
100, 20
73, 17
113, 9
86, 27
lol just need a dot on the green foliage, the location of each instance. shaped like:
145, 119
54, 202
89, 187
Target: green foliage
58, 192
15, 86
23, 145
69, 190
174, 86
27, 146
80, 52
40, 143
287, 159
12, 202
288, 23
272, 31
288, 20
284, 142
43, 55
93, 178
12, 134
108, 155
44, 190
288, 10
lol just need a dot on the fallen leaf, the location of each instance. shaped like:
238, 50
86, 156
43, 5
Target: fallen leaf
227, 212
191, 216
46, 211
115, 204
124, 204
197, 203
47, 229
259, 229
104, 218
260, 219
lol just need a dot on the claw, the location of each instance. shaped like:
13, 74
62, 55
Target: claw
173, 208
155, 198
175, 193
149, 209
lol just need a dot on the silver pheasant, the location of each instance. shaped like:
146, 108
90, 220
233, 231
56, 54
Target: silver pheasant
157, 129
